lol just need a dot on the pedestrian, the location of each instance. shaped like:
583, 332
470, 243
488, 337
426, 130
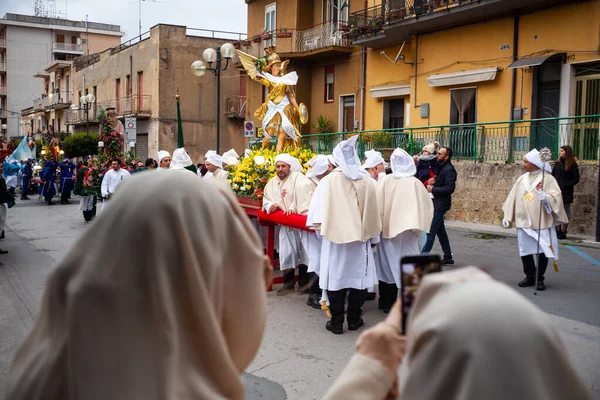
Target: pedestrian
27, 176
374, 164
406, 210
181, 161
214, 166
111, 180
282, 193
149, 164
66, 181
139, 167
164, 159
88, 201
180, 314
47, 188
201, 170
459, 345
320, 167
6, 201
427, 163
441, 188
535, 206
566, 173
344, 209
11, 175
230, 158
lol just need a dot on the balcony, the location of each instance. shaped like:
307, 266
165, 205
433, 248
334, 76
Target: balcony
2, 67
396, 20
69, 48
134, 105
3, 91
58, 100
38, 104
313, 43
236, 107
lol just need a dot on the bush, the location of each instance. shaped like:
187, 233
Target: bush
80, 144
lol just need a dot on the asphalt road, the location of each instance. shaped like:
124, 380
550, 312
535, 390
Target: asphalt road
298, 359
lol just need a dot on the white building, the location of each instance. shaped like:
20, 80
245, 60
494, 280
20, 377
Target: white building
29, 45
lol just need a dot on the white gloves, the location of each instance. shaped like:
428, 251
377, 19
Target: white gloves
506, 223
542, 195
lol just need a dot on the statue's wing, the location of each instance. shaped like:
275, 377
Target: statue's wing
248, 62
284, 67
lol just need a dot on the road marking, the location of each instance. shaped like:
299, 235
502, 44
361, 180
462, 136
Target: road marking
584, 256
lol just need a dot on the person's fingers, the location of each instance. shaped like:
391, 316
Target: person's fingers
394, 317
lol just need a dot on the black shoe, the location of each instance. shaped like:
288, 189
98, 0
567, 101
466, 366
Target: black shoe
313, 301
447, 261
371, 296
2, 237
352, 326
335, 329
67, 202
3, 251
541, 286
526, 282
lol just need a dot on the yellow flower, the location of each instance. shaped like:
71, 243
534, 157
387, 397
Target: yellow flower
248, 187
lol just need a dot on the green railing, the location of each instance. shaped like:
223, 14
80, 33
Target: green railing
504, 141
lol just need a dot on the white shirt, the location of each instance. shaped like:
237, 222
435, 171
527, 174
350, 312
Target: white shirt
111, 180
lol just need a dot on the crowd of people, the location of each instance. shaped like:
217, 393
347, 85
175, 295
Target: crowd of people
181, 314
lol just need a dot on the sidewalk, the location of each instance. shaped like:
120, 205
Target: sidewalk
573, 240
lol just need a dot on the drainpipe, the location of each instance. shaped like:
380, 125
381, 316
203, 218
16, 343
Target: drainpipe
363, 84
416, 61
513, 88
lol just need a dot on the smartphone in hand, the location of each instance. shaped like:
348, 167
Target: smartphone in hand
412, 271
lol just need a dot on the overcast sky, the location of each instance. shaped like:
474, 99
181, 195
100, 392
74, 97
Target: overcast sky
225, 15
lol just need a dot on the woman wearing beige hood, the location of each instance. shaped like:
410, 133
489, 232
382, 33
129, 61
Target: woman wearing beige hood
177, 315
469, 338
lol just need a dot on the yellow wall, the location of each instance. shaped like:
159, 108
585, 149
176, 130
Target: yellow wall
98, 43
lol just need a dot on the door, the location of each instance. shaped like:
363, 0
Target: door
463, 110
140, 91
587, 102
546, 104
118, 95
346, 113
270, 22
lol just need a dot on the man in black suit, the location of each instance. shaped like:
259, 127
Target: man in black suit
441, 188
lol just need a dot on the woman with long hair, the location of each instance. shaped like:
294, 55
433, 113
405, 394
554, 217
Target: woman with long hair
566, 172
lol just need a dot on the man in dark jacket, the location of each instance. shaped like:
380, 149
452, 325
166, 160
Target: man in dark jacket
27, 175
441, 189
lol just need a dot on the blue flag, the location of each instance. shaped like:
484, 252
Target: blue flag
23, 152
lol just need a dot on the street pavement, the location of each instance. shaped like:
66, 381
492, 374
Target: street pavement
298, 358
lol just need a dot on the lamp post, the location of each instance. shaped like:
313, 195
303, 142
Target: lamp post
199, 68
87, 101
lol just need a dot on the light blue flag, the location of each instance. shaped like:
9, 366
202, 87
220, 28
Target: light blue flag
23, 152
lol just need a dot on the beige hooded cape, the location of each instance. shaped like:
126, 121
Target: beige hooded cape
169, 305
404, 204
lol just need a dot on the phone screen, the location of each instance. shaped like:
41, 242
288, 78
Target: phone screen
412, 271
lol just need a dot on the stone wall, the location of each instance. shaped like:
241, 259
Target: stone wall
482, 188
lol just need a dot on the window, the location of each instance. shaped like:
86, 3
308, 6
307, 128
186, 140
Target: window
140, 90
73, 39
60, 38
393, 114
79, 98
587, 102
118, 95
347, 113
270, 22
329, 77
337, 10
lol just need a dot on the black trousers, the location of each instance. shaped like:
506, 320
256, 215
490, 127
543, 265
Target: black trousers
337, 300
314, 288
388, 294
303, 276
90, 214
64, 196
529, 266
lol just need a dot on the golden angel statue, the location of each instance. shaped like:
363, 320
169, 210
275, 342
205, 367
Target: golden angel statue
280, 114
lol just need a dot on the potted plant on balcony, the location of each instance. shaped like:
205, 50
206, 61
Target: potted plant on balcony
256, 38
246, 42
266, 35
283, 33
345, 28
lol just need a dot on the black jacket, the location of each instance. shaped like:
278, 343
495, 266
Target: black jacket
566, 180
445, 183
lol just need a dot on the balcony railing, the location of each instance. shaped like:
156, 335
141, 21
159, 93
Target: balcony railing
129, 105
3, 91
320, 36
236, 107
505, 141
59, 98
38, 104
59, 47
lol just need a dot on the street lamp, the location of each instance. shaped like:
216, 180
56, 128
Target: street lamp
87, 101
199, 68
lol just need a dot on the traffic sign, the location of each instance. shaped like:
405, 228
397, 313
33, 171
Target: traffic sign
131, 129
248, 129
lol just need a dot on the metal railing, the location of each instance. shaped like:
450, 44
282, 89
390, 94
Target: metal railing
236, 107
319, 36
75, 47
134, 104
504, 141
59, 98
38, 104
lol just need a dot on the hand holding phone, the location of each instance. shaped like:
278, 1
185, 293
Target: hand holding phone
412, 271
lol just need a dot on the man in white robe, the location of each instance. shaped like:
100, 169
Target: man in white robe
230, 157
320, 167
534, 193
282, 193
181, 160
344, 209
111, 180
214, 164
406, 210
164, 160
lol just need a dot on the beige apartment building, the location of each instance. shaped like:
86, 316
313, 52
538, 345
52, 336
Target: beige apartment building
141, 78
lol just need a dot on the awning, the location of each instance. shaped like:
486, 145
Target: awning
390, 91
462, 77
529, 62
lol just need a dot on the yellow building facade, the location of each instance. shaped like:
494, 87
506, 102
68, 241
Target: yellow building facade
429, 64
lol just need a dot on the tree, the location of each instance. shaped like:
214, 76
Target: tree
80, 144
